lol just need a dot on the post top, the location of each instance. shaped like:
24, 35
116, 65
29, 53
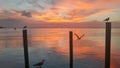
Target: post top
108, 22
25, 27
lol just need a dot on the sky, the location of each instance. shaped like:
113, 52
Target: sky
62, 11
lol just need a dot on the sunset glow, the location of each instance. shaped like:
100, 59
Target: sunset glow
59, 33
60, 10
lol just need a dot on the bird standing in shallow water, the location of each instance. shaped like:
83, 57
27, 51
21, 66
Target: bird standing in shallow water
39, 65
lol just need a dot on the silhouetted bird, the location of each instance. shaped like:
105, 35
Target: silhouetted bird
39, 65
79, 37
107, 19
25, 27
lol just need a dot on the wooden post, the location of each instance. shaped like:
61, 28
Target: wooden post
25, 45
71, 48
108, 45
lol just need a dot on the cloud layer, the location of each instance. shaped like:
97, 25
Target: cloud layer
72, 10
62, 10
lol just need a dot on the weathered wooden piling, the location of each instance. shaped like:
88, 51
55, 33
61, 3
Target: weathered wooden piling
71, 48
108, 45
25, 45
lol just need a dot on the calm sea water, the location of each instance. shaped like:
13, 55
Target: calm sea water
52, 45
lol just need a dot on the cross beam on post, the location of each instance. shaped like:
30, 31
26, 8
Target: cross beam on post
25, 45
71, 48
108, 45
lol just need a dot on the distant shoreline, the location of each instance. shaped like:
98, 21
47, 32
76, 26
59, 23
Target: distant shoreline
62, 28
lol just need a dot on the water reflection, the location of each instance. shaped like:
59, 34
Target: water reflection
56, 45
53, 46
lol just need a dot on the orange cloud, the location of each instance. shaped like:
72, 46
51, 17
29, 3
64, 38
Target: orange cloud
72, 10
63, 10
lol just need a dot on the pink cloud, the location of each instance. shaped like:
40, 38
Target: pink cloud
64, 10
73, 10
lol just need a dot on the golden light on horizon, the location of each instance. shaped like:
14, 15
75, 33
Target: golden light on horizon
57, 18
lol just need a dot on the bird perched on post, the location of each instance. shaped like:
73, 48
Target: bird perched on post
79, 37
24, 27
39, 65
107, 19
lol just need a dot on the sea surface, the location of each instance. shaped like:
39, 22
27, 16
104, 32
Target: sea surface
52, 45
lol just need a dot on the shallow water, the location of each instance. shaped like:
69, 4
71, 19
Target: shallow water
53, 46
